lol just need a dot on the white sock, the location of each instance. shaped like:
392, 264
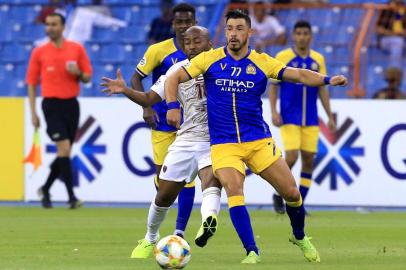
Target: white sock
210, 202
156, 216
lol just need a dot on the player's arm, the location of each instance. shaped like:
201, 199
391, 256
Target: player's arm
171, 92
273, 97
118, 86
325, 101
145, 67
33, 74
311, 78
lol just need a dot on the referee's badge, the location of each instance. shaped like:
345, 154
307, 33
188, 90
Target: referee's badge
251, 70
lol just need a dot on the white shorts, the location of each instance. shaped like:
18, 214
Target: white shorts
184, 160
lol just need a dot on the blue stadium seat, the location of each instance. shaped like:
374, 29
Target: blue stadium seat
13, 53
20, 71
23, 14
93, 51
31, 33
140, 51
112, 53
130, 14
104, 35
133, 34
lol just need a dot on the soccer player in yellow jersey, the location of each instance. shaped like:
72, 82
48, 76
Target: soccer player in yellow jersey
298, 118
157, 60
235, 77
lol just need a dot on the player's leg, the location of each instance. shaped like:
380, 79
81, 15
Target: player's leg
166, 195
71, 115
291, 142
267, 162
310, 136
230, 170
160, 144
210, 207
43, 191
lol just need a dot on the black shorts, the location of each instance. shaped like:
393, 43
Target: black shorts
62, 117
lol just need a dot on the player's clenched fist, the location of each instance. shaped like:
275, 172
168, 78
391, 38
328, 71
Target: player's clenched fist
338, 80
173, 117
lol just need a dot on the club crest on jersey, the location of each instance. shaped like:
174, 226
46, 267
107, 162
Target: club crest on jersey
251, 70
314, 66
174, 60
143, 62
295, 64
223, 67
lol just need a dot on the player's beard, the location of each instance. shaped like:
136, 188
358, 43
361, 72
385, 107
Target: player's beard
238, 47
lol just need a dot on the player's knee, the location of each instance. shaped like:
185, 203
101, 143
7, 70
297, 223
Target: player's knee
307, 164
163, 201
291, 158
233, 189
292, 195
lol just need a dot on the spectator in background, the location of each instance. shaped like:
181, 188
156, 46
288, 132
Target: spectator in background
52, 7
267, 29
391, 29
161, 27
81, 20
58, 66
393, 76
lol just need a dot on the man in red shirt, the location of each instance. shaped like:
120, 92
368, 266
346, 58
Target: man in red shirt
60, 65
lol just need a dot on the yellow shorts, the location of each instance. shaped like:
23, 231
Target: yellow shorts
257, 155
300, 138
161, 141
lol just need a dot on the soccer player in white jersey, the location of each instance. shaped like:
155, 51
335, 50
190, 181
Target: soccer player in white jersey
189, 154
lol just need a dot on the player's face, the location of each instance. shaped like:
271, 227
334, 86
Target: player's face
54, 27
195, 44
302, 37
182, 21
237, 34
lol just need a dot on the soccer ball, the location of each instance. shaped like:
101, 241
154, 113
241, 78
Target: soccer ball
172, 252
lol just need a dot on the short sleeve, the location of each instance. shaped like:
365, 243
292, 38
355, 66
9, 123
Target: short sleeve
159, 86
275, 68
149, 62
196, 66
34, 68
84, 62
323, 69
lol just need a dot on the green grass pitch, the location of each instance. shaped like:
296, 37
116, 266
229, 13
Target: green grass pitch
103, 238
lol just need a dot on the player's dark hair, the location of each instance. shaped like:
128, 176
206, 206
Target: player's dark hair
238, 14
302, 24
184, 7
55, 14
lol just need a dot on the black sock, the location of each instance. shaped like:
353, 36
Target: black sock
53, 175
65, 167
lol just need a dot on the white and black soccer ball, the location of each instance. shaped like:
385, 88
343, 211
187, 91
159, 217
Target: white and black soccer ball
172, 252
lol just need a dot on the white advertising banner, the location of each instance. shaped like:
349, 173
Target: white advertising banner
363, 163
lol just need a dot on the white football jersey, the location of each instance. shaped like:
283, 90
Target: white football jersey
192, 97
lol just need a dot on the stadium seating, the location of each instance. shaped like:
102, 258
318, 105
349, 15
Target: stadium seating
334, 35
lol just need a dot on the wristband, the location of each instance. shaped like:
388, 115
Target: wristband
173, 105
327, 80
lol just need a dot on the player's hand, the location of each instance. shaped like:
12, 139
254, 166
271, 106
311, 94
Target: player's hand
338, 80
276, 119
173, 117
332, 125
150, 117
35, 120
116, 86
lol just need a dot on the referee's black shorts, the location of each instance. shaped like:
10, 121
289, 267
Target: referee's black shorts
62, 117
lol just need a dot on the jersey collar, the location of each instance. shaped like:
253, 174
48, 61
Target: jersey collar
228, 55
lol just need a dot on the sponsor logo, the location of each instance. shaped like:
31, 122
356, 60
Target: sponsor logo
389, 167
231, 85
335, 157
85, 161
223, 66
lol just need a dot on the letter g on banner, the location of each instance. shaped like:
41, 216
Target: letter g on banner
126, 155
384, 152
